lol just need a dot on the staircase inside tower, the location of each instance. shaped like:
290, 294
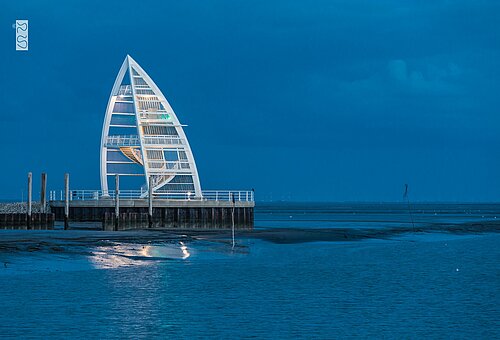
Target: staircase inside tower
160, 180
132, 153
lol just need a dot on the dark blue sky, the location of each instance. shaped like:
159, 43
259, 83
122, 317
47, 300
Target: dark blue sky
302, 100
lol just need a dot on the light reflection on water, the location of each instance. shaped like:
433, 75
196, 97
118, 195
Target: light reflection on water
185, 252
400, 288
414, 286
124, 255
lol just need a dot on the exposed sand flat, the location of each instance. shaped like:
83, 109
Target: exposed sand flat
12, 240
32, 240
338, 234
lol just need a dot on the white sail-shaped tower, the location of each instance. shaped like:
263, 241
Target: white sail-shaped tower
143, 140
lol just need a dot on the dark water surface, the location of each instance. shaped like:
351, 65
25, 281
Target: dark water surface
415, 285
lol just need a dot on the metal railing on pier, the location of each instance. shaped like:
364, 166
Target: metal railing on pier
207, 195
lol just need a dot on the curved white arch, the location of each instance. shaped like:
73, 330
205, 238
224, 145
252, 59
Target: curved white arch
159, 137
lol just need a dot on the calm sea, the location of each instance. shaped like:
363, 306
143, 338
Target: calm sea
417, 285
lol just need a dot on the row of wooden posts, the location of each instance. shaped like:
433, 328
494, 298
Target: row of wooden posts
40, 220
43, 199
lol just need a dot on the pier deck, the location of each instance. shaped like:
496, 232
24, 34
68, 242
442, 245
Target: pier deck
133, 213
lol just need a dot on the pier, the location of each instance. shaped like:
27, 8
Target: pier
135, 210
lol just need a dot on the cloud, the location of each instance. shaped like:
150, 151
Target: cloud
429, 79
392, 79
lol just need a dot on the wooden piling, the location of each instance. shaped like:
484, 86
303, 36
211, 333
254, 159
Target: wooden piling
117, 202
150, 202
30, 192
66, 201
231, 197
43, 194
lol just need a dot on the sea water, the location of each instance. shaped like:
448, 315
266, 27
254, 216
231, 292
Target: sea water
416, 285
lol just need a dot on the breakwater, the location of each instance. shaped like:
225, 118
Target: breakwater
17, 215
19, 207
42, 221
